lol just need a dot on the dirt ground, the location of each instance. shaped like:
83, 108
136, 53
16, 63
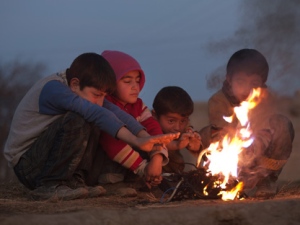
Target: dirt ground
16, 207
149, 206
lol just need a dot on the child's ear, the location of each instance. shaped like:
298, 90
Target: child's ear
154, 114
74, 84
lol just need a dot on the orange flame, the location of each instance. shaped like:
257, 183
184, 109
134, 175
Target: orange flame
224, 155
230, 195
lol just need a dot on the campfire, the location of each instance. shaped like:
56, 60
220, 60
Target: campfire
216, 177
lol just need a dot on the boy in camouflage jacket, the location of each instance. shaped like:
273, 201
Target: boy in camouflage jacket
262, 162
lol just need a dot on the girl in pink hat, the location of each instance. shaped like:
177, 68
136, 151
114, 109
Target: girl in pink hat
130, 81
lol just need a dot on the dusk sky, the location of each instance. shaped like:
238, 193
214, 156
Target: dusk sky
169, 38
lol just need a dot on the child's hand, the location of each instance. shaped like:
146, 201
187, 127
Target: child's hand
191, 140
180, 143
147, 143
183, 140
194, 142
153, 170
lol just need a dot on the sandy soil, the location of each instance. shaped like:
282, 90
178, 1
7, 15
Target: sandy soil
16, 206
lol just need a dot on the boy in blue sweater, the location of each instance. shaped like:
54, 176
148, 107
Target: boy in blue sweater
55, 130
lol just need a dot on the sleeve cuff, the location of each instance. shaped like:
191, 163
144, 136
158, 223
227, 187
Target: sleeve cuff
163, 152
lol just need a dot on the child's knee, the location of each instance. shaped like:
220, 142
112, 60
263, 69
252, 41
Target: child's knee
282, 126
74, 125
72, 119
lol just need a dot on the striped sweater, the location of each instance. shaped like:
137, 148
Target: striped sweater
121, 152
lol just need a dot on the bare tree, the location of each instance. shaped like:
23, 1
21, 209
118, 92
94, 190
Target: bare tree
15, 80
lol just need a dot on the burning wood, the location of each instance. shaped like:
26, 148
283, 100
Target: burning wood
199, 184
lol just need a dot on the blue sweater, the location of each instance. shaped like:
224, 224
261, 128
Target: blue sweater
49, 99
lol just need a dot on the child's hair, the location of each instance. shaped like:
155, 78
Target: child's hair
250, 61
92, 70
173, 99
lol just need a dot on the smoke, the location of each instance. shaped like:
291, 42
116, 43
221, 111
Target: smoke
271, 27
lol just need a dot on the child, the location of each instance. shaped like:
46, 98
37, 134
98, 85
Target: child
172, 107
55, 130
130, 81
263, 161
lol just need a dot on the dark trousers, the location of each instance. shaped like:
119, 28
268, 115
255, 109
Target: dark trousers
69, 145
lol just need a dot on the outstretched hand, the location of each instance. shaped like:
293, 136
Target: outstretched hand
194, 142
189, 140
183, 140
147, 143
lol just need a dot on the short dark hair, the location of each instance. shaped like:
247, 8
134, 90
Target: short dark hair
250, 61
92, 70
173, 99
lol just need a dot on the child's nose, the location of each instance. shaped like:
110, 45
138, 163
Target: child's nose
177, 127
100, 101
136, 85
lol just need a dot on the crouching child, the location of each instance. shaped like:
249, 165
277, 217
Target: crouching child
262, 162
55, 130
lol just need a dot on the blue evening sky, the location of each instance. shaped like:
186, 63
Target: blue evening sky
169, 38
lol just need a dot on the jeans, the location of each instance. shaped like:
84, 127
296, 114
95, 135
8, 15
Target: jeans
69, 145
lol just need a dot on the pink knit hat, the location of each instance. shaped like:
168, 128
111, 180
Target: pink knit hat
122, 63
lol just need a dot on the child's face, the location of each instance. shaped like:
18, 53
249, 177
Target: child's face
92, 95
128, 87
242, 84
173, 123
